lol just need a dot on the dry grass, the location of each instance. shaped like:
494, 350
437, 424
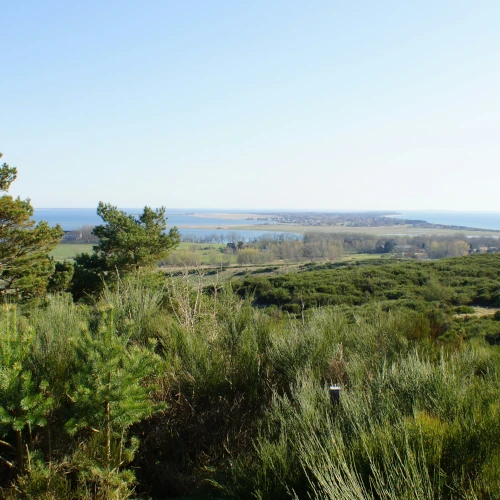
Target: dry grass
479, 312
378, 231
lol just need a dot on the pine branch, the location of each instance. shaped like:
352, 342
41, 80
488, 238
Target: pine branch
8, 445
6, 462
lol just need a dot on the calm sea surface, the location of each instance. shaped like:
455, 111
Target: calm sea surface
73, 218
482, 220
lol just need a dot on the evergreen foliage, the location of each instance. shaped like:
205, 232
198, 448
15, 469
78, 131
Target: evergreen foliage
108, 395
60, 281
24, 245
127, 243
24, 403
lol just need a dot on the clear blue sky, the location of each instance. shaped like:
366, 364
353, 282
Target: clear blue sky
261, 104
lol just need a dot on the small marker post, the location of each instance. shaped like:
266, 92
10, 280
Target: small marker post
335, 394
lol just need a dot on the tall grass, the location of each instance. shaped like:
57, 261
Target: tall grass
412, 423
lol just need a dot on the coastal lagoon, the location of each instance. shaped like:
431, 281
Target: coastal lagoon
201, 223
188, 223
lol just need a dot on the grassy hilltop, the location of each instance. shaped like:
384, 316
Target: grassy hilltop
174, 388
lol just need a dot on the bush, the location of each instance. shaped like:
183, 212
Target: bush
464, 310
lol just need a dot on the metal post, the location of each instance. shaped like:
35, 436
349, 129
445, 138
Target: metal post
335, 394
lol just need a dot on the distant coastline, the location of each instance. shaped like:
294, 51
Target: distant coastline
228, 215
476, 222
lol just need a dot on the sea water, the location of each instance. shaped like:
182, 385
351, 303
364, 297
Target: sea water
74, 218
481, 220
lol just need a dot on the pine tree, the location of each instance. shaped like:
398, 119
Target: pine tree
60, 281
24, 264
127, 243
109, 394
24, 403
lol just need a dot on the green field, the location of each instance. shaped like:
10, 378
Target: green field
201, 251
65, 251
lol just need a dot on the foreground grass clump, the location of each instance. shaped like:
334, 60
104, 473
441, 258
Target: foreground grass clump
417, 424
160, 388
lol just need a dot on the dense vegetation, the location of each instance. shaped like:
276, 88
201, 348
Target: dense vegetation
24, 264
314, 246
470, 280
220, 391
154, 386
223, 249
162, 387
